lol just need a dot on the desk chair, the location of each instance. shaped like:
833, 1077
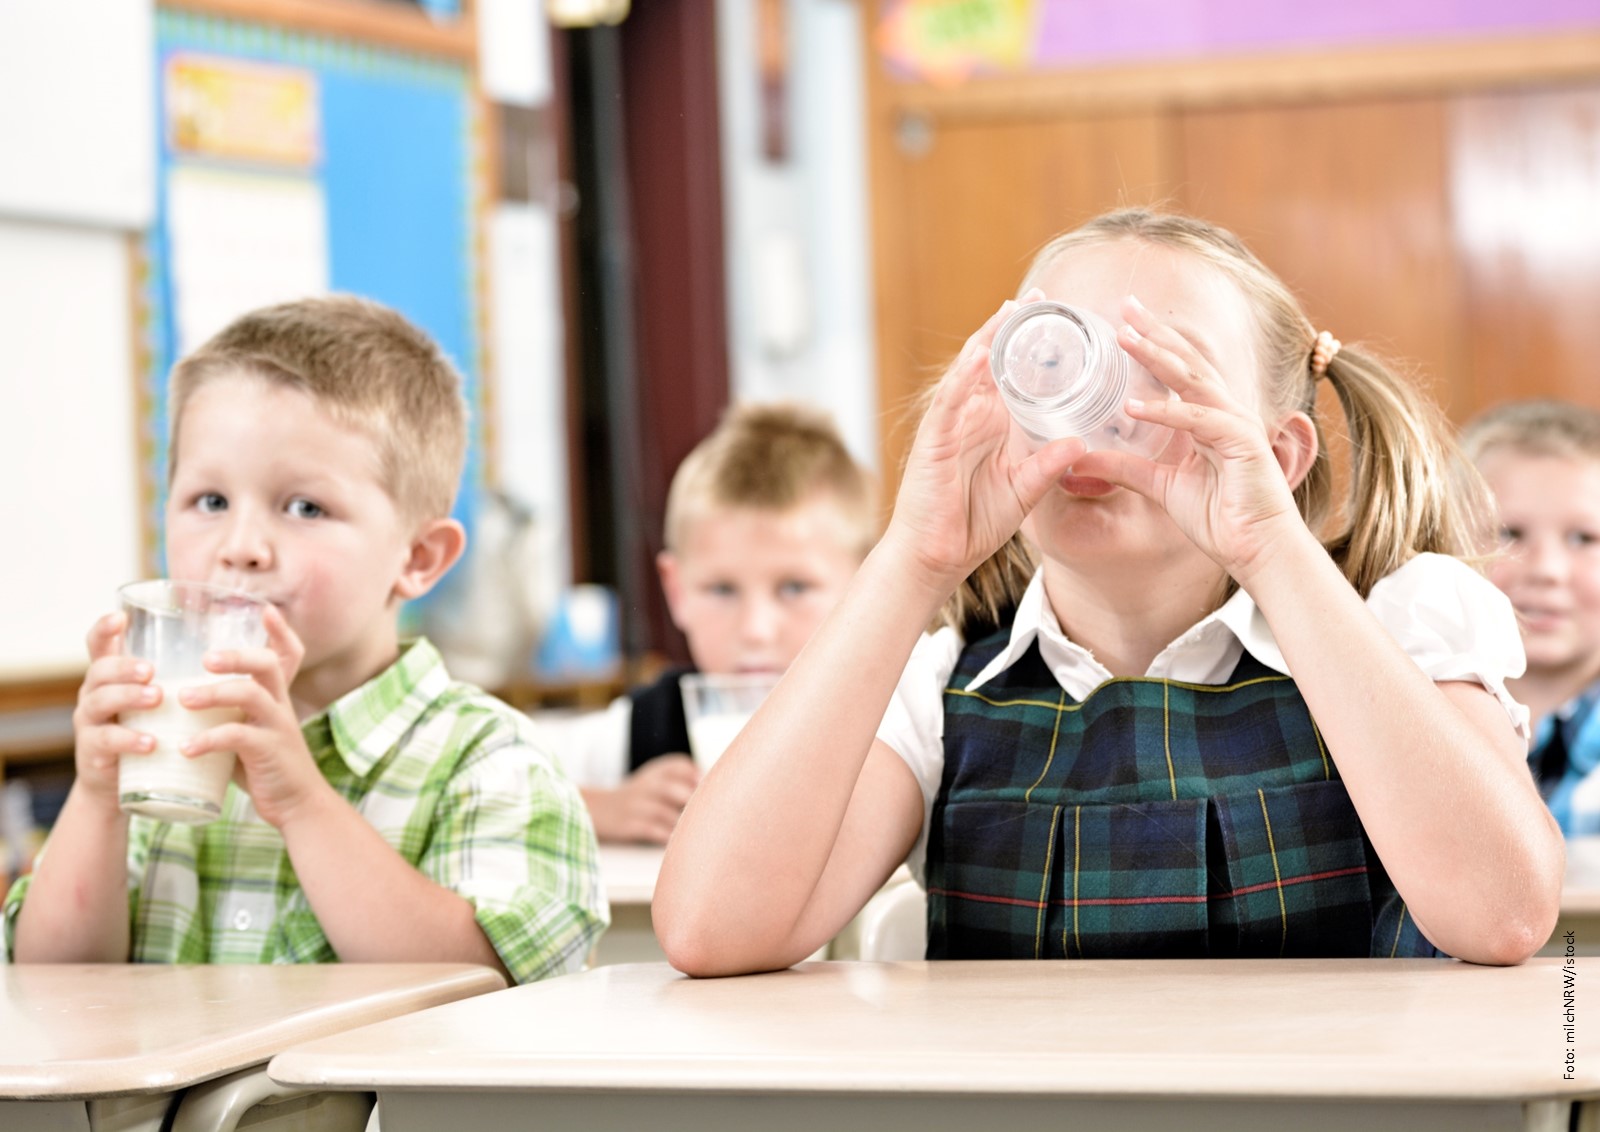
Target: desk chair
894, 923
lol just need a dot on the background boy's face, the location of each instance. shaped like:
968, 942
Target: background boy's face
1549, 509
272, 496
749, 586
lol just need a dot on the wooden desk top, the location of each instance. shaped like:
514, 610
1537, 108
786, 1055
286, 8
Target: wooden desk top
73, 1032
630, 871
1332, 1029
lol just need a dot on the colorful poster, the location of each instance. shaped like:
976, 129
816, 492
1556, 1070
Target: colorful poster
947, 41
242, 111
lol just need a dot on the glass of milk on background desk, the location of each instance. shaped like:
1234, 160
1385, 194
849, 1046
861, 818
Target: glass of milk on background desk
717, 706
173, 625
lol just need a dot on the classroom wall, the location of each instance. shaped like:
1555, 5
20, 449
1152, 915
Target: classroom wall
77, 160
69, 508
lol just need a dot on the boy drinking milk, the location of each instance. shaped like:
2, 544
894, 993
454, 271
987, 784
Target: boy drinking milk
387, 813
767, 520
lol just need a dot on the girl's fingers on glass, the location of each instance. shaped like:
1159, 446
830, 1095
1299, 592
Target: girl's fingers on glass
1179, 367
1212, 426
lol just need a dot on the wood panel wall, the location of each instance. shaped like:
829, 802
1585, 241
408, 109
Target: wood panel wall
1440, 204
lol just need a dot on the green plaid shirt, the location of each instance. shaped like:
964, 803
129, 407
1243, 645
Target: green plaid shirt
450, 777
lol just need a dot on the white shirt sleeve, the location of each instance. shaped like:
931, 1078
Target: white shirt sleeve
591, 747
913, 726
1455, 624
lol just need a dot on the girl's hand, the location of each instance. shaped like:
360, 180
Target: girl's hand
275, 765
963, 495
114, 684
1227, 490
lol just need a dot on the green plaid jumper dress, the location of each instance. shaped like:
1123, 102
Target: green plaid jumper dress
1153, 819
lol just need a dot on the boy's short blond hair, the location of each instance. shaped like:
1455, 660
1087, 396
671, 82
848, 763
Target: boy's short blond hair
772, 457
1536, 428
369, 367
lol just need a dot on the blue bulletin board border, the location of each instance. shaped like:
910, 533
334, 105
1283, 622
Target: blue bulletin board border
402, 171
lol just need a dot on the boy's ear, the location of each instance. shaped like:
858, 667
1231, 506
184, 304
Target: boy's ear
1295, 446
671, 583
435, 548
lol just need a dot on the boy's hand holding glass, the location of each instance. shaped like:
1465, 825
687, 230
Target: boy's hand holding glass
115, 683
168, 628
275, 766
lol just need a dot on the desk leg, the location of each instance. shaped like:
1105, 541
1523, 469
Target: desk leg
221, 1106
130, 1114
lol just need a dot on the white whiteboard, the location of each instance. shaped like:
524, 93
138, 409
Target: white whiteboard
77, 111
67, 461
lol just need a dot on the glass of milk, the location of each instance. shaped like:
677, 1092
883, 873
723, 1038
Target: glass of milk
717, 706
173, 625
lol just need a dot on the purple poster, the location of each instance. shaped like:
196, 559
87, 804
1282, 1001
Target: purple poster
1090, 32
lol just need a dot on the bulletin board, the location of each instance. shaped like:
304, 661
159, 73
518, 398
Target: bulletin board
306, 162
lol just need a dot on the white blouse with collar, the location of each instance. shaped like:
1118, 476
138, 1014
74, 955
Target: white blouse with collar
1446, 616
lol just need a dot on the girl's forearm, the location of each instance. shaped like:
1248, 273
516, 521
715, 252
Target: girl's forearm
746, 857
1440, 787
76, 909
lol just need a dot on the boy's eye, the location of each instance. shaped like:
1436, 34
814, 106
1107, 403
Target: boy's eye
305, 509
793, 588
1510, 535
722, 589
1581, 539
210, 502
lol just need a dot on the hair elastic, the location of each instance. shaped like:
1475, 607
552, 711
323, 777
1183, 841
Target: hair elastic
1322, 352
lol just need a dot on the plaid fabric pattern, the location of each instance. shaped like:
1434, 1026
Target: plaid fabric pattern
1155, 818
452, 780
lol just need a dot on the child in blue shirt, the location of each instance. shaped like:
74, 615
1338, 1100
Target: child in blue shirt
1542, 462
1202, 710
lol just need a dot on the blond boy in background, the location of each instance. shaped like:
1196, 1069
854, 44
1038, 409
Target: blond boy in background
767, 520
1542, 461
387, 813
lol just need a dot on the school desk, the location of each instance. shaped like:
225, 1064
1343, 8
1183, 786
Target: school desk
629, 874
1580, 901
114, 1047
1206, 1045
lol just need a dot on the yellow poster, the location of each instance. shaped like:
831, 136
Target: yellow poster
237, 110
946, 41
